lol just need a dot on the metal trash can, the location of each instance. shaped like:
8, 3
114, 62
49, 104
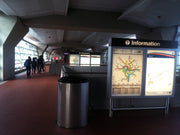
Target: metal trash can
73, 100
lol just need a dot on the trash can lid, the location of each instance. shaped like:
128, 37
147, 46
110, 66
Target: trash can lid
73, 79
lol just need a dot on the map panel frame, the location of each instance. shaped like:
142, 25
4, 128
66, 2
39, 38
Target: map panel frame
143, 83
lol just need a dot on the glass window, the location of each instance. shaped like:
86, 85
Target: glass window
178, 56
45, 56
22, 51
178, 64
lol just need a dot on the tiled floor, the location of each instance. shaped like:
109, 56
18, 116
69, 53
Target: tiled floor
29, 107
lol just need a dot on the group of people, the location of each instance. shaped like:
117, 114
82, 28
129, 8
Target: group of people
32, 65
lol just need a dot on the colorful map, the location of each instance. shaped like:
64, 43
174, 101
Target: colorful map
74, 59
127, 71
128, 67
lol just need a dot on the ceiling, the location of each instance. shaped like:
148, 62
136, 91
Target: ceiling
62, 25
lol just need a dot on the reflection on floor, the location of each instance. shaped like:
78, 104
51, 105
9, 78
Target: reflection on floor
28, 106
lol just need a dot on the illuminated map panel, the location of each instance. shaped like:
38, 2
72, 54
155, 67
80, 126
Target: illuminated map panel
74, 60
85, 60
127, 67
95, 60
160, 72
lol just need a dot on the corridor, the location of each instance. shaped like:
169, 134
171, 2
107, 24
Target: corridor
29, 107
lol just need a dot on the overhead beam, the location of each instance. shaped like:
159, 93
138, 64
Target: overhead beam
45, 50
4, 7
85, 20
51, 52
60, 35
69, 45
133, 8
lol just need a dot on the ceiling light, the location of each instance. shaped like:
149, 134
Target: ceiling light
133, 36
90, 49
106, 45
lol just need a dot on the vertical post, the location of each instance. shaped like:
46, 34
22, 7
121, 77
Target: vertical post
44, 50
110, 107
167, 105
109, 92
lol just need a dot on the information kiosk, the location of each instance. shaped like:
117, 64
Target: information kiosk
141, 69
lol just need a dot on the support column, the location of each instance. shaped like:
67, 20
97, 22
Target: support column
12, 32
45, 50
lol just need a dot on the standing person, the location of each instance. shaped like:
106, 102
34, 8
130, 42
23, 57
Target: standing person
27, 64
34, 65
40, 64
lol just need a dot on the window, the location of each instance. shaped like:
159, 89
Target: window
178, 64
22, 51
178, 55
45, 56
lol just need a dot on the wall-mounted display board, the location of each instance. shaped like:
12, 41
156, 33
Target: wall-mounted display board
95, 60
84, 60
141, 68
160, 70
127, 70
74, 59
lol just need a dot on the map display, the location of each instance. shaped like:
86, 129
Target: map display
127, 67
74, 60
160, 72
85, 60
95, 60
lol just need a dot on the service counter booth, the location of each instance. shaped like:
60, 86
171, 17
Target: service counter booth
141, 69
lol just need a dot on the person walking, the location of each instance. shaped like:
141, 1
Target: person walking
27, 64
34, 65
41, 64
